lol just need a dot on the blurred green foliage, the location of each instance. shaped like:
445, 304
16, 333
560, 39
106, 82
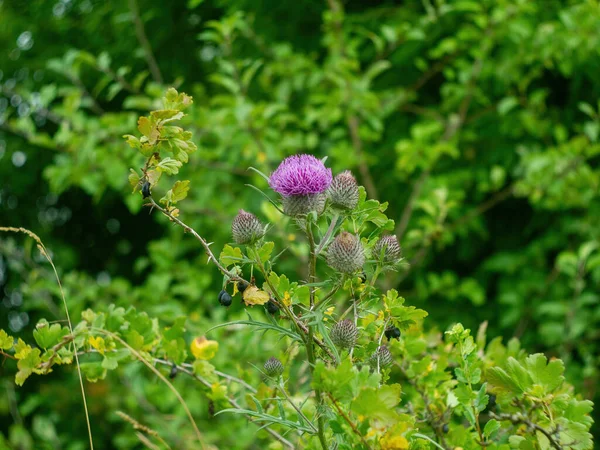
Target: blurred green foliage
478, 121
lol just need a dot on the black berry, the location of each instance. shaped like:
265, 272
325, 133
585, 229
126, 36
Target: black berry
224, 298
272, 307
173, 372
392, 333
491, 401
146, 189
242, 285
445, 428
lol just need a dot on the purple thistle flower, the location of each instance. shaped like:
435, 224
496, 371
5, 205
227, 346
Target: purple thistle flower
300, 175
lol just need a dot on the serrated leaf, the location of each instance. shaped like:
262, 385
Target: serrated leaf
230, 255
264, 253
47, 336
378, 403
490, 428
169, 166
6, 341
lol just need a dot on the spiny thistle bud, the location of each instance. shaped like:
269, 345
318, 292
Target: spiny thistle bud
387, 250
346, 253
302, 181
383, 355
246, 228
273, 367
298, 205
344, 191
344, 334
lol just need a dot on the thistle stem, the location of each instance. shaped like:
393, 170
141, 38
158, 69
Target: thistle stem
312, 276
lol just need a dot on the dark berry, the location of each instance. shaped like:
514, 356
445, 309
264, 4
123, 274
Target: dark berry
146, 189
492, 401
392, 333
224, 298
173, 372
272, 307
445, 428
242, 285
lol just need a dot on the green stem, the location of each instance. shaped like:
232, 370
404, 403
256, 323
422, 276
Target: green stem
312, 276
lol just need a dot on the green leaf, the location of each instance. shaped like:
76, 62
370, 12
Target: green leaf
378, 403
264, 253
169, 166
6, 341
47, 336
230, 255
490, 428
177, 193
549, 376
27, 365
499, 379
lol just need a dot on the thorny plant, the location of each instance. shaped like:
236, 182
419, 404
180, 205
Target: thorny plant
356, 369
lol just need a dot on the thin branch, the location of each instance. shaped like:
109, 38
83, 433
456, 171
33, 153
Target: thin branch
206, 245
348, 421
172, 388
521, 419
231, 401
435, 423
144, 42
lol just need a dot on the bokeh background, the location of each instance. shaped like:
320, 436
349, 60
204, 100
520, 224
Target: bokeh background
478, 121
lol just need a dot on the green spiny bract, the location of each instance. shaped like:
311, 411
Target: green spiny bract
344, 334
246, 228
343, 191
381, 355
346, 253
387, 250
299, 205
273, 367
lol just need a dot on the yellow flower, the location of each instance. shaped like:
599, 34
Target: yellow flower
97, 343
287, 300
204, 349
328, 312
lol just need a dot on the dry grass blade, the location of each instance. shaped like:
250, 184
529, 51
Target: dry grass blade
44, 252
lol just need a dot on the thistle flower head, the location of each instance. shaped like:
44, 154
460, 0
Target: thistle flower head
346, 253
344, 190
300, 175
344, 334
273, 367
387, 250
383, 356
246, 228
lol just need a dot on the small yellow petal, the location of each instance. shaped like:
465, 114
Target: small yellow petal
287, 300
